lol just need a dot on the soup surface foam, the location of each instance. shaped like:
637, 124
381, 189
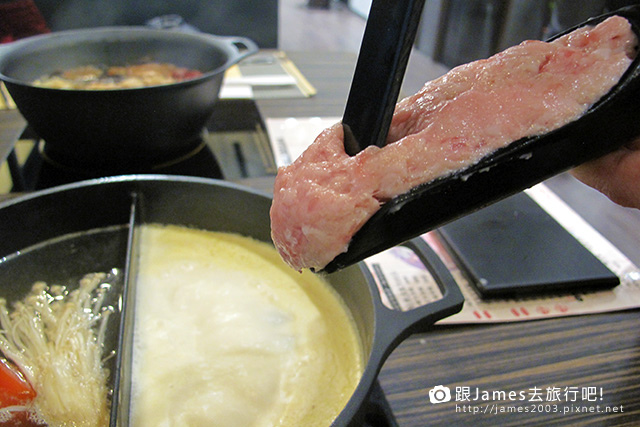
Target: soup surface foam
226, 334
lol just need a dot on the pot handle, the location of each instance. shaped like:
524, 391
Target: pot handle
4, 48
243, 47
394, 325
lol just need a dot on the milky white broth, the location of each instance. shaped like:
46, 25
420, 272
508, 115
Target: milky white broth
226, 334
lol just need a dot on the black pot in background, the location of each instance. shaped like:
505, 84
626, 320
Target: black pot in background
117, 130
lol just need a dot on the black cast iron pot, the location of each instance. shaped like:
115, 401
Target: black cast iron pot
60, 234
120, 130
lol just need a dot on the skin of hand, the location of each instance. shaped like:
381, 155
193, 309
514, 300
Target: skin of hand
616, 175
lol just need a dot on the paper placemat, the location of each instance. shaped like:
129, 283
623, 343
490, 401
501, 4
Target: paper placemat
265, 75
393, 274
289, 137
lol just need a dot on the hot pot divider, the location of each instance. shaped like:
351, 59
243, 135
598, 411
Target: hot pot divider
121, 398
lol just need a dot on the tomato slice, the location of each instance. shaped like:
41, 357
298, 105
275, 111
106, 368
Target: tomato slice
185, 74
14, 388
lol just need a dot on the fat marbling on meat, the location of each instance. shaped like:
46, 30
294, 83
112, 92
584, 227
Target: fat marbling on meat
325, 195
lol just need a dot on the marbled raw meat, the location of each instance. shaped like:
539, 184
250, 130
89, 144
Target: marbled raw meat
325, 195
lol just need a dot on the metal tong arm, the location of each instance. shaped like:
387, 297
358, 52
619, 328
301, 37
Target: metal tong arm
384, 53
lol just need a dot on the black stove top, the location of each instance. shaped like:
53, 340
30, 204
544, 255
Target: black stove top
233, 146
40, 171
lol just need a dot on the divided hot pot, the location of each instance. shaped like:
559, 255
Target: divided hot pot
60, 234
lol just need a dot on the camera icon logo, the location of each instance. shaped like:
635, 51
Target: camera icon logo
439, 394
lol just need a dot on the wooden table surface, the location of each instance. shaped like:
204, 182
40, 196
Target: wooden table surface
595, 353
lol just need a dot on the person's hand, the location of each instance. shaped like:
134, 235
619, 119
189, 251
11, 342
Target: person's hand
616, 175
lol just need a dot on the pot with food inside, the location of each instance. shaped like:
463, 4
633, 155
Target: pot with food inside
119, 98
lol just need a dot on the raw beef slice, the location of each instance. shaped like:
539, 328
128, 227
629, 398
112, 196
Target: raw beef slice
325, 195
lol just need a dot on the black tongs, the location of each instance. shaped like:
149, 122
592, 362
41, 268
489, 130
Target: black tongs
609, 124
386, 45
